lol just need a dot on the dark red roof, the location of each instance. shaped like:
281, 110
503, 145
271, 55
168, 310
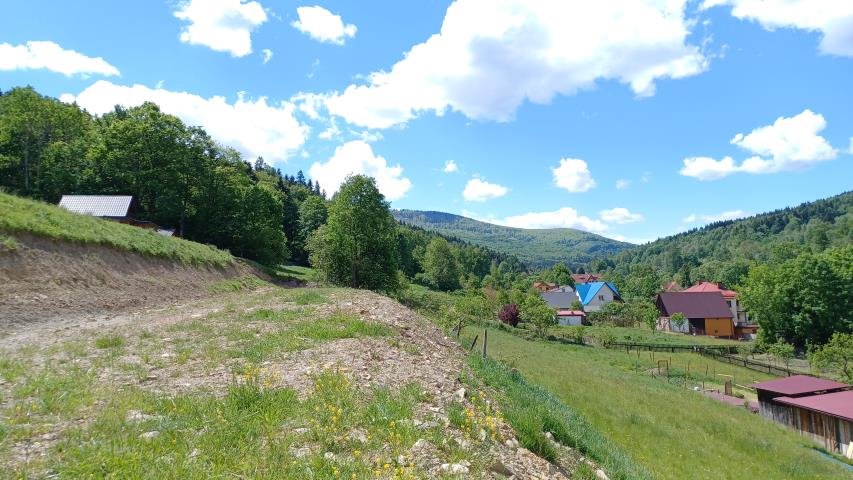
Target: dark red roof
694, 304
799, 385
586, 277
837, 404
575, 313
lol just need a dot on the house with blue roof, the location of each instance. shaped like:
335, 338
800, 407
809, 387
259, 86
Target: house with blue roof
595, 295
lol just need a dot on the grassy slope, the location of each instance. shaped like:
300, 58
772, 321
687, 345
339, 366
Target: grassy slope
673, 432
19, 215
536, 248
644, 335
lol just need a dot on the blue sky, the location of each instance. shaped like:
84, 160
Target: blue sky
632, 119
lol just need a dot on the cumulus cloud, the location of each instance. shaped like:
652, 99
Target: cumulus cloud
221, 25
254, 127
267, 55
791, 143
716, 217
450, 166
526, 50
833, 19
478, 190
565, 217
620, 215
45, 55
323, 25
357, 158
573, 175
622, 184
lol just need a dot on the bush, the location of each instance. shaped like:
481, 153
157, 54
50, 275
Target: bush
509, 314
606, 337
576, 334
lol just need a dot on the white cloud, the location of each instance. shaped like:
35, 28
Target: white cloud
477, 190
44, 55
565, 217
450, 166
620, 215
832, 18
221, 25
267, 55
717, 217
254, 127
492, 55
323, 25
790, 143
622, 184
573, 175
357, 158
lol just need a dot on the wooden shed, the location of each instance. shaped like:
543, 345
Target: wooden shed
817, 408
707, 312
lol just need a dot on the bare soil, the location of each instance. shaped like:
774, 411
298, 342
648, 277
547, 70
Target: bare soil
43, 280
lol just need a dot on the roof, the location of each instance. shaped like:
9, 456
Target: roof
559, 299
97, 205
671, 287
694, 304
799, 384
711, 287
585, 277
837, 404
570, 313
588, 291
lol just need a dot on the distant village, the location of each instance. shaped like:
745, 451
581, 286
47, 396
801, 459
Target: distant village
708, 308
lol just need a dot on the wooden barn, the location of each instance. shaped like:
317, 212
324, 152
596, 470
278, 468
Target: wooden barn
817, 408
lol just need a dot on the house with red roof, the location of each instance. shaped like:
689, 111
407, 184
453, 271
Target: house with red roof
744, 328
580, 278
818, 408
707, 313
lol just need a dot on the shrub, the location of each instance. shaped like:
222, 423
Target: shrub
509, 314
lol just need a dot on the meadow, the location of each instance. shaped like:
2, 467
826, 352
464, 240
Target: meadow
668, 429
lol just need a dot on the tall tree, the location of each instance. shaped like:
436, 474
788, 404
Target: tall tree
357, 246
441, 267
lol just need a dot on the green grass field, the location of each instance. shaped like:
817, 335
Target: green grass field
644, 335
19, 215
670, 430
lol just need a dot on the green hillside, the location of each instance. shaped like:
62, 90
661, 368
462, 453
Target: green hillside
24, 216
534, 247
723, 251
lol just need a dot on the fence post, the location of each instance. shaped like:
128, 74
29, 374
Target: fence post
485, 341
474, 342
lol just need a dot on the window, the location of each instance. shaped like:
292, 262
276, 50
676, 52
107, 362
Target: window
601, 298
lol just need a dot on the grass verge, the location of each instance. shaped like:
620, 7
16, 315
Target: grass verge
44, 220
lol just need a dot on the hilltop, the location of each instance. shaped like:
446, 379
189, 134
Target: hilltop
722, 251
534, 247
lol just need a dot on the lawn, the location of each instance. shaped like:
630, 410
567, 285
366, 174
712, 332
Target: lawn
668, 429
644, 335
20, 215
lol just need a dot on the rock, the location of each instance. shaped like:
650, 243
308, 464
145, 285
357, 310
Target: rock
459, 395
454, 468
358, 435
329, 456
300, 430
301, 452
194, 453
600, 475
149, 435
512, 443
499, 468
549, 436
137, 416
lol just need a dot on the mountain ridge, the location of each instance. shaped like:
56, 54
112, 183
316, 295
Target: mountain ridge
535, 247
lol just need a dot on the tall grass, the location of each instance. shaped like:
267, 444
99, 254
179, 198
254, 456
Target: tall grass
532, 411
19, 215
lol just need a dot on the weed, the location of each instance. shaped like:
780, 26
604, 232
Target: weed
109, 341
8, 244
11, 370
239, 284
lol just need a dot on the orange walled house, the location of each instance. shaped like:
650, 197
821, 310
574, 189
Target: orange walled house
743, 327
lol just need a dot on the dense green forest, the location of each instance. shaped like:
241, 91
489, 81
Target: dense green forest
724, 251
537, 248
181, 178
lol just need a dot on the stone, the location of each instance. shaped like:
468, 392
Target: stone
329, 456
358, 435
459, 395
549, 436
500, 468
149, 435
300, 430
600, 475
301, 452
454, 468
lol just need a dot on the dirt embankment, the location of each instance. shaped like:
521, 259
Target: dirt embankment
43, 279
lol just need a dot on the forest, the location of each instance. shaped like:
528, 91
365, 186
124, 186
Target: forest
181, 178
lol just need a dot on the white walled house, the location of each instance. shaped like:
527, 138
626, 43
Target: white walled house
595, 295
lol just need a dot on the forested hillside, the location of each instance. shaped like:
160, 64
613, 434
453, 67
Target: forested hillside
181, 178
536, 248
724, 251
